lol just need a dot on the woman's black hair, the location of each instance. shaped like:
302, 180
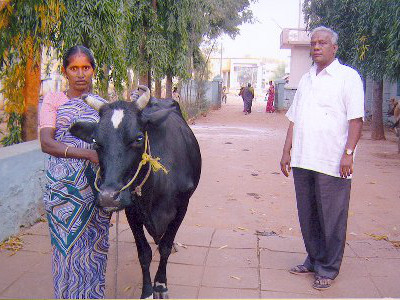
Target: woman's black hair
78, 49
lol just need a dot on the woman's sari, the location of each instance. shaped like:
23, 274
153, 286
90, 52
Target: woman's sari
271, 97
78, 228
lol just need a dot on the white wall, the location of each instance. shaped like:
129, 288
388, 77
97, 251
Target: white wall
22, 182
300, 63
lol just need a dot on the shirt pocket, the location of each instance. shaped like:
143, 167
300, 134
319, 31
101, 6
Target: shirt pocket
328, 98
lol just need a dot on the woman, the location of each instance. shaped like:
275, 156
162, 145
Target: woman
247, 95
271, 96
175, 95
78, 228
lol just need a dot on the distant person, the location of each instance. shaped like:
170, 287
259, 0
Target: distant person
175, 95
271, 97
224, 94
326, 119
247, 94
240, 94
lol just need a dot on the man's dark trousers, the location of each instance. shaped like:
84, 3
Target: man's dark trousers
322, 204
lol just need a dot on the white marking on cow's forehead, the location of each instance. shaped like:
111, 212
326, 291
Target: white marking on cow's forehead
117, 117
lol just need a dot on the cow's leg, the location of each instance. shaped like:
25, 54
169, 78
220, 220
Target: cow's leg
144, 252
164, 247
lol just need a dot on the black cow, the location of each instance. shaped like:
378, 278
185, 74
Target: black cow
156, 200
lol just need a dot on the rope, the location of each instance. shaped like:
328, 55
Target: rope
146, 158
116, 255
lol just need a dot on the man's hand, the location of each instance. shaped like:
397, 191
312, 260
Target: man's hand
346, 165
285, 163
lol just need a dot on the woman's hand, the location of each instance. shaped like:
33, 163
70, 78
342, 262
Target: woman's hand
93, 157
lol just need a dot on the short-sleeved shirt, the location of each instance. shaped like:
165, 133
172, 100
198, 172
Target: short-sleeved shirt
48, 112
321, 110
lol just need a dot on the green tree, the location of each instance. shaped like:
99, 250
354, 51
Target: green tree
365, 41
100, 26
160, 37
25, 27
174, 17
147, 49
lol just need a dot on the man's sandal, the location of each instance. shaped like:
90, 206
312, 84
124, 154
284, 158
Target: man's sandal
300, 270
322, 283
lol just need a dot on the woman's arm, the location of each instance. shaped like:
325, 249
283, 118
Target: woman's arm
51, 146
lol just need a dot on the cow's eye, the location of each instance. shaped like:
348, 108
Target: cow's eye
139, 138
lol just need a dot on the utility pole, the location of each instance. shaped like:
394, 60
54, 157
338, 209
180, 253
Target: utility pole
220, 61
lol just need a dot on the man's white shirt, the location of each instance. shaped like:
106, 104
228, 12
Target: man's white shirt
321, 110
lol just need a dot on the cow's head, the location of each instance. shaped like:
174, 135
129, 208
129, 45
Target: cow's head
119, 139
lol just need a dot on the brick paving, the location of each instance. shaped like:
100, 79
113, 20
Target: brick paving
216, 259
212, 263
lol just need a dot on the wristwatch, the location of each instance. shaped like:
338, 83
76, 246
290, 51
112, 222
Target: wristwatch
349, 151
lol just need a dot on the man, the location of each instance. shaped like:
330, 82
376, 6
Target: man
326, 119
247, 94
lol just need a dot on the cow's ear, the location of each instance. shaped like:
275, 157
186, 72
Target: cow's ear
156, 117
83, 131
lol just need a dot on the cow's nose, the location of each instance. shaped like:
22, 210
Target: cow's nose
108, 197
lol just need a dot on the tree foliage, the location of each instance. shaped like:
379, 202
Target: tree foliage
369, 40
100, 26
24, 30
161, 36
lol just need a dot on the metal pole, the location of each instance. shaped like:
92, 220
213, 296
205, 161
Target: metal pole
220, 62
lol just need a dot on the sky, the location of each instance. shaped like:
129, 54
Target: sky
262, 39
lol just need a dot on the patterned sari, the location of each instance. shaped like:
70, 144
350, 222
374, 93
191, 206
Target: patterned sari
78, 228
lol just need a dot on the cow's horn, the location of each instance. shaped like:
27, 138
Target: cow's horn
92, 101
144, 98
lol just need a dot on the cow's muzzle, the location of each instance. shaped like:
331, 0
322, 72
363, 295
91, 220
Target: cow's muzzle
108, 198
114, 200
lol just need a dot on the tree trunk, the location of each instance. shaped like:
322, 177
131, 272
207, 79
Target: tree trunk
129, 85
104, 84
168, 86
144, 79
377, 131
157, 92
31, 96
149, 76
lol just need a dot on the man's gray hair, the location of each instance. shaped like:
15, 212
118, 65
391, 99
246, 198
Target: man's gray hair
326, 29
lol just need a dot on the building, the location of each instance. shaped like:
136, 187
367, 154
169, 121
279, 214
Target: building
238, 72
298, 41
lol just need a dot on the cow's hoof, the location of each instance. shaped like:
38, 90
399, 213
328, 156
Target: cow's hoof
151, 296
147, 292
160, 291
162, 295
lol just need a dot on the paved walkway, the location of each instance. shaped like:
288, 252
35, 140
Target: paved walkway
213, 263
219, 254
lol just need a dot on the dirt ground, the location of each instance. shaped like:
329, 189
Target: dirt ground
241, 177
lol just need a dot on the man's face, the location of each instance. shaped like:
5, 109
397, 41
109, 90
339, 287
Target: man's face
323, 51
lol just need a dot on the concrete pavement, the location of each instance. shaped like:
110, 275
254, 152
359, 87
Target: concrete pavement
220, 256
212, 263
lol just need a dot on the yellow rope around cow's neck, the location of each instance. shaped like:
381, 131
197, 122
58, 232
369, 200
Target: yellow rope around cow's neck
146, 158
